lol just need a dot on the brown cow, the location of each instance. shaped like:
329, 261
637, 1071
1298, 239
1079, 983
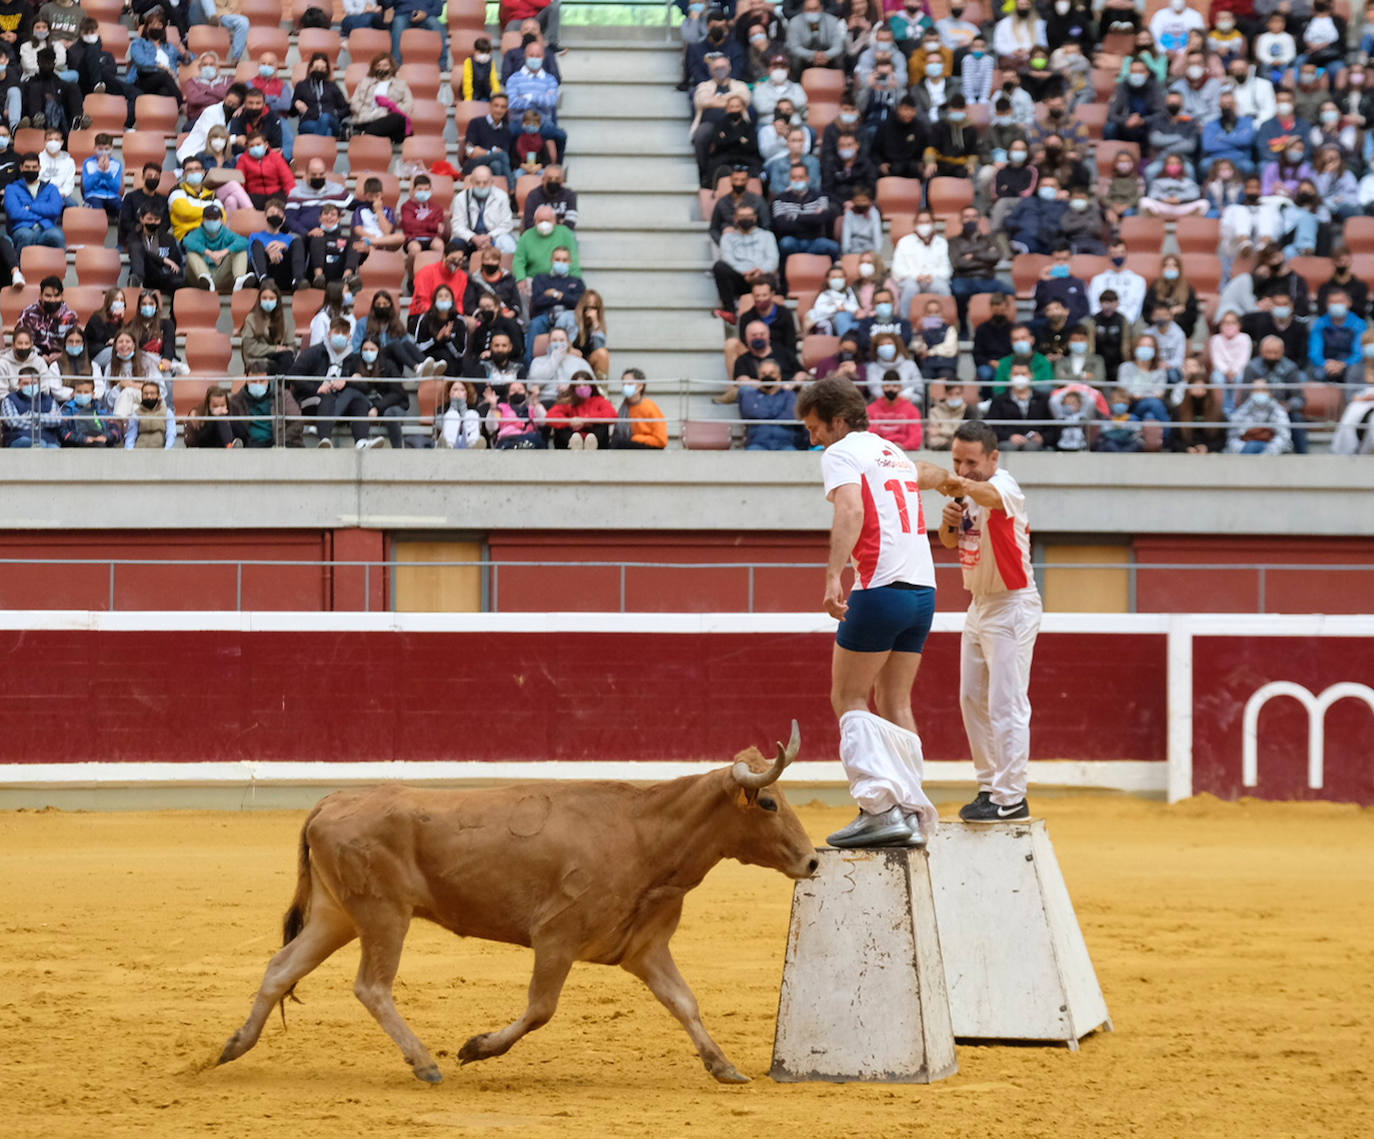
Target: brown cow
587, 871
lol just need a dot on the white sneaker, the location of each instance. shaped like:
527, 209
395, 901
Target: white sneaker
362, 444
327, 443
17, 279
368, 444
575, 442
589, 442
240, 282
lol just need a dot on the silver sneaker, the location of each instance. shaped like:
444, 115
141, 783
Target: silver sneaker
890, 828
913, 822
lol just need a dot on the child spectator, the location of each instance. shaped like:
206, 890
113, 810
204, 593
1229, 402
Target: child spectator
581, 417
641, 425
442, 334
58, 167
276, 254
894, 417
945, 416
265, 171
30, 416
216, 256
460, 428
333, 254
268, 334
1122, 431
319, 102
374, 222
209, 424
84, 422
937, 345
481, 74
266, 414
423, 225
532, 150
151, 424
837, 297
102, 178
890, 355
398, 350
1259, 426
1230, 350
1070, 410
589, 333
514, 423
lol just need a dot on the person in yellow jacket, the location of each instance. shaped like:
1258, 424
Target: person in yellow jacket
641, 426
190, 198
481, 73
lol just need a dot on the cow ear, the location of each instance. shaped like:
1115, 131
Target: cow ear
745, 797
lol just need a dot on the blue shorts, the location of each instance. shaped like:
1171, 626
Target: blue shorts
890, 618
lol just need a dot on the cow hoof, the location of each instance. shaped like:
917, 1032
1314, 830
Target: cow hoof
475, 1049
430, 1075
731, 1075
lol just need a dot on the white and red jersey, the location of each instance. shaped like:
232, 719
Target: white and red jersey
892, 545
994, 545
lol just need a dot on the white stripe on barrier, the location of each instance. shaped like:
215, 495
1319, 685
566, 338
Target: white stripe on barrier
1138, 776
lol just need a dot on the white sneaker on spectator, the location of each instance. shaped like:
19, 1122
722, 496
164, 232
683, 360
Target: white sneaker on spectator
206, 282
17, 279
368, 444
479, 444
327, 442
589, 442
575, 442
245, 279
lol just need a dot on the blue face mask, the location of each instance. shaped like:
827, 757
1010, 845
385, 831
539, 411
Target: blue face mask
887, 351
82, 399
195, 178
443, 306
562, 268
258, 151
1021, 347
1047, 193
369, 355
1338, 310
31, 390
1059, 272
1120, 408
799, 187
212, 227
1145, 353
883, 310
347, 298
75, 349
269, 304
1078, 347
148, 311
529, 128
339, 341
257, 391
265, 71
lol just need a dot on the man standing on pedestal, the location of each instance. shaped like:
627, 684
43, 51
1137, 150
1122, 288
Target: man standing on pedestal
987, 522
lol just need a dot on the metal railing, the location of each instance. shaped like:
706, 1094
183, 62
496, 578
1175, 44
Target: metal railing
381, 574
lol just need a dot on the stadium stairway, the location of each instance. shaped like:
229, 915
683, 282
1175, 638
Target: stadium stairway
643, 246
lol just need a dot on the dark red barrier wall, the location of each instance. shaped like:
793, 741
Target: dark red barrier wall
1227, 671
349, 696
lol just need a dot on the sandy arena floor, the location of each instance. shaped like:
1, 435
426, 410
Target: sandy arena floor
1232, 942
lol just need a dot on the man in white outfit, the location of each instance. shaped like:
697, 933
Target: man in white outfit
880, 526
987, 523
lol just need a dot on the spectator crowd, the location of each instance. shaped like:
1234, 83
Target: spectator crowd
1121, 225
215, 149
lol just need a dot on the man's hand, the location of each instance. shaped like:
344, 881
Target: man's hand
953, 487
834, 602
952, 516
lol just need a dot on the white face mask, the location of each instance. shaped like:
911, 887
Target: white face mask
53, 146
778, 75
866, 269
544, 227
925, 229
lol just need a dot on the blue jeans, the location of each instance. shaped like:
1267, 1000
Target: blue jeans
50, 235
28, 441
326, 125
1152, 408
824, 246
1254, 447
545, 322
965, 287
399, 23
361, 20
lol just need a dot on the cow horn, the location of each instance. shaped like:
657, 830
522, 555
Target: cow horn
745, 777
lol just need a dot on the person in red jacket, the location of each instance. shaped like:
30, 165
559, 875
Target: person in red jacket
265, 172
582, 418
894, 417
448, 272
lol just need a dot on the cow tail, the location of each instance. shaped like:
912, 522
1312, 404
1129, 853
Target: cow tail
296, 915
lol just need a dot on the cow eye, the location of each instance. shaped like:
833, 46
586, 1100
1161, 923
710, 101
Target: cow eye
768, 804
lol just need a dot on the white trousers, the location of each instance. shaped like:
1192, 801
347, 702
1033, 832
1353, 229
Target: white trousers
885, 766
994, 680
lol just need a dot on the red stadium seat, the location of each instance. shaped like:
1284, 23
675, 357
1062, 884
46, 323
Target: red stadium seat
707, 435
38, 261
85, 226
97, 265
208, 351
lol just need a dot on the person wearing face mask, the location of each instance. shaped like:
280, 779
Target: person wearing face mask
191, 198
954, 147
266, 173
815, 38
207, 86
21, 355
1229, 137
731, 143
931, 86
460, 426
496, 356
554, 370
1070, 22
711, 99
268, 335
1172, 25
861, 227
255, 116
319, 102
481, 215
334, 255
1016, 34
1334, 344
489, 279
955, 32
1173, 135
1033, 224
1081, 367
1113, 336
890, 357
102, 178
33, 208
553, 297
358, 395
48, 320
1260, 425
145, 192
399, 350
920, 262
265, 413
534, 251
532, 88
154, 60
276, 254
836, 298
447, 272
1342, 278
514, 422
1023, 352
1287, 129
442, 334
777, 172
1138, 102
977, 72
126, 369
319, 371
739, 196
29, 416
84, 422
581, 418
216, 256
1129, 286
1172, 193
1254, 92
748, 253
717, 41
1014, 413
894, 417
423, 224
640, 425
803, 218
974, 256
153, 424
1199, 89
382, 103
553, 191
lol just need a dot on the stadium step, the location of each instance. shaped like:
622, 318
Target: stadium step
658, 211
618, 101
680, 289
585, 64
624, 138
600, 174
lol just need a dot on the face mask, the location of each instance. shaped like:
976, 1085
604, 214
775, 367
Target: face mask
369, 355
925, 229
535, 65
954, 402
486, 315
1120, 408
849, 118
1293, 154
208, 73
1017, 157
744, 224
383, 314
218, 144
89, 39
149, 404
759, 343
1285, 110
1145, 353
544, 227
1021, 347
31, 390
478, 192
1047, 193
866, 269
151, 184
422, 195
1337, 310
1369, 351
40, 34
195, 178
1261, 399
836, 284
515, 399
1196, 72
777, 75
887, 351
957, 116
583, 391
1281, 312
935, 69
1078, 205
258, 151
52, 308
257, 390
317, 183
812, 17
1020, 385
799, 187
1059, 272
1171, 274
557, 347
212, 227
1331, 117
846, 152
4, 138
1136, 79
562, 268
53, 145
883, 310
339, 341
330, 226
319, 74
83, 399
148, 311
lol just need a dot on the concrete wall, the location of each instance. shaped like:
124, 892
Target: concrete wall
482, 491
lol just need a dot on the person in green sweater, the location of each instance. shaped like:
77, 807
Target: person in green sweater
1023, 352
534, 251
216, 256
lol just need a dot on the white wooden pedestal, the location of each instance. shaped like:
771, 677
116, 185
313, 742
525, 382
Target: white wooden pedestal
863, 990
1015, 961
